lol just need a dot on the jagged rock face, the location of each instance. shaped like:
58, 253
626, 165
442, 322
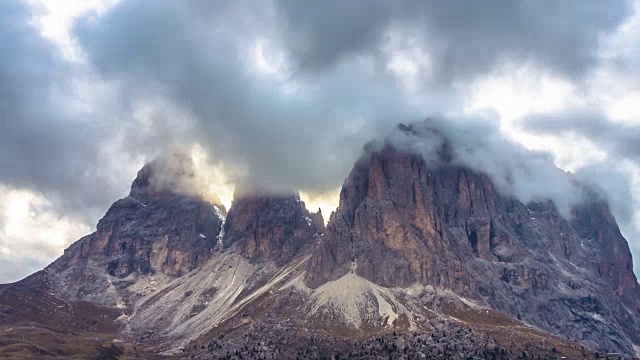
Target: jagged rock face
270, 227
401, 222
387, 228
151, 230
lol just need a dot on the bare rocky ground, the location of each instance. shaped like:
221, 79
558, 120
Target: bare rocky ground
451, 343
450, 328
273, 319
447, 339
35, 324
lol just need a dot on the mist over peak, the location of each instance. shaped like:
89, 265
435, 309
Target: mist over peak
474, 142
478, 143
175, 172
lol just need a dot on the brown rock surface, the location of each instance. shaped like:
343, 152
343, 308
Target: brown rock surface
270, 227
151, 230
402, 222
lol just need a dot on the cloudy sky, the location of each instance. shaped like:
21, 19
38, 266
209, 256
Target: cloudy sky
282, 94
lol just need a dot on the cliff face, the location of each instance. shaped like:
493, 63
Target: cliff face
401, 222
270, 227
151, 230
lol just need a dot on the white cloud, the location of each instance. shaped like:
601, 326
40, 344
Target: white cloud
515, 91
32, 231
54, 19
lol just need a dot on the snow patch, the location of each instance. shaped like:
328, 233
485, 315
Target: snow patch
139, 202
469, 303
597, 317
219, 213
223, 219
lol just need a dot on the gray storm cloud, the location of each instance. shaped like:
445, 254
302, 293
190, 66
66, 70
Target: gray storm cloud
621, 142
477, 143
63, 132
302, 138
175, 170
163, 74
464, 38
42, 144
47, 144
303, 130
618, 139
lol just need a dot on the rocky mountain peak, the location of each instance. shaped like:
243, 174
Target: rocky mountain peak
141, 188
273, 227
162, 226
405, 221
169, 175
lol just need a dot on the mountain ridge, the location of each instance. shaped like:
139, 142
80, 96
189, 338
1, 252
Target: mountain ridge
413, 247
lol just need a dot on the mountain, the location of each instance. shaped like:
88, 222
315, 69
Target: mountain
402, 223
421, 259
270, 227
149, 231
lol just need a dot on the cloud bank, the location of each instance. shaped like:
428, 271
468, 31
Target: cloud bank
514, 170
464, 38
282, 95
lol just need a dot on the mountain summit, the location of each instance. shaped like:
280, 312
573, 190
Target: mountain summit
422, 259
402, 224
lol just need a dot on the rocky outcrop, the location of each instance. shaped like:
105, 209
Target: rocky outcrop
403, 222
270, 227
154, 229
